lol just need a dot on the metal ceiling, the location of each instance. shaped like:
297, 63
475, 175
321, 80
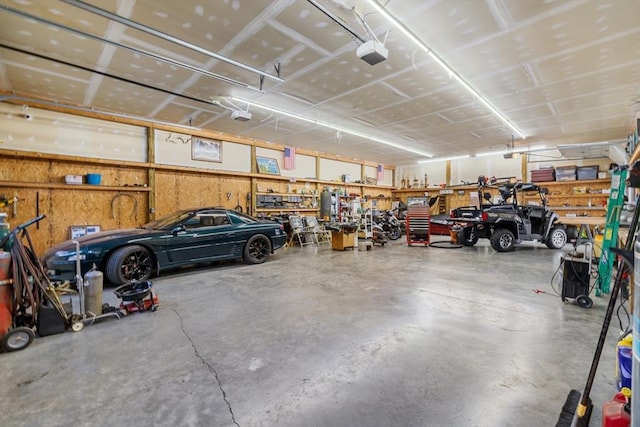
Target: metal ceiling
563, 72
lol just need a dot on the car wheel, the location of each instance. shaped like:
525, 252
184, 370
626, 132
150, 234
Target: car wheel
129, 264
502, 240
469, 236
557, 238
17, 339
257, 249
394, 233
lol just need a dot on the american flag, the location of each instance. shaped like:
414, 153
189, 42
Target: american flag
289, 158
380, 171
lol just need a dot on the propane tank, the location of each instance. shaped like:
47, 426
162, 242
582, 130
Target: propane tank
93, 285
325, 204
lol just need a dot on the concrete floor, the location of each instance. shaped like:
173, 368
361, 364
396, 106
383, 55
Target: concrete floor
396, 336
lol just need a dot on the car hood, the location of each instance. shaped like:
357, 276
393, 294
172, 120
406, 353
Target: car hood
104, 237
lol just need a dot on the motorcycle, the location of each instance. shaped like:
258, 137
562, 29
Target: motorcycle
391, 225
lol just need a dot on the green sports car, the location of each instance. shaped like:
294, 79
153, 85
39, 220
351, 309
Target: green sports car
181, 238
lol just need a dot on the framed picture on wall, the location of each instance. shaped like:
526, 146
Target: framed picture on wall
268, 165
207, 150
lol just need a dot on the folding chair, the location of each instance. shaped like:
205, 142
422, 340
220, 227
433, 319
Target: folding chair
300, 233
321, 234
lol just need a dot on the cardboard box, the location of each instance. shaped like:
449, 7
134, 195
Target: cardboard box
341, 240
73, 179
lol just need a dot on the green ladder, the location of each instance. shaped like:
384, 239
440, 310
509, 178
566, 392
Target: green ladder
610, 237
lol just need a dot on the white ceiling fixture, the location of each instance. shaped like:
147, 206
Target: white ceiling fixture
372, 51
237, 113
336, 128
445, 66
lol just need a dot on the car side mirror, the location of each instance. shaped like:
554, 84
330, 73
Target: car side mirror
487, 196
177, 229
544, 191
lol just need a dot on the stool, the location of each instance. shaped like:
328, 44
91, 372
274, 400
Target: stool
365, 245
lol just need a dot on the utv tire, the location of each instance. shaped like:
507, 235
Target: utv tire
557, 238
257, 249
502, 240
469, 236
129, 264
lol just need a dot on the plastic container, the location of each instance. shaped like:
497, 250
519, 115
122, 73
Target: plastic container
623, 367
93, 178
614, 413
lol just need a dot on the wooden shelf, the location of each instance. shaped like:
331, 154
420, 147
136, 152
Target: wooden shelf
287, 194
578, 208
420, 190
287, 209
21, 184
576, 196
575, 182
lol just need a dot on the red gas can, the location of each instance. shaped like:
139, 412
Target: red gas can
614, 414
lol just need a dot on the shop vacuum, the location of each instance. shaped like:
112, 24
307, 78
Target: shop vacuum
576, 277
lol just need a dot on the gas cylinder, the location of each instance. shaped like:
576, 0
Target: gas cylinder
93, 285
6, 318
325, 204
614, 413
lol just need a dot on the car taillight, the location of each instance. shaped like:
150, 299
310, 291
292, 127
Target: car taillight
485, 216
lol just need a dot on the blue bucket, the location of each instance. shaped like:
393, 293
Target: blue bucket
93, 178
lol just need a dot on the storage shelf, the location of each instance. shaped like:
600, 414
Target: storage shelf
574, 182
287, 194
287, 209
576, 196
57, 186
578, 208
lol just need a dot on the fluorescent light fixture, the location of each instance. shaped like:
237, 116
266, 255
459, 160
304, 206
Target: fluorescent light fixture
466, 156
444, 66
341, 129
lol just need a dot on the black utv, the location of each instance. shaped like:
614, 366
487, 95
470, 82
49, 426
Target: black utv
507, 223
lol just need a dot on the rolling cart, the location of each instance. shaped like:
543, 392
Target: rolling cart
418, 225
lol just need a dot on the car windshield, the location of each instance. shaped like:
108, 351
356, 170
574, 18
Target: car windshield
167, 222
